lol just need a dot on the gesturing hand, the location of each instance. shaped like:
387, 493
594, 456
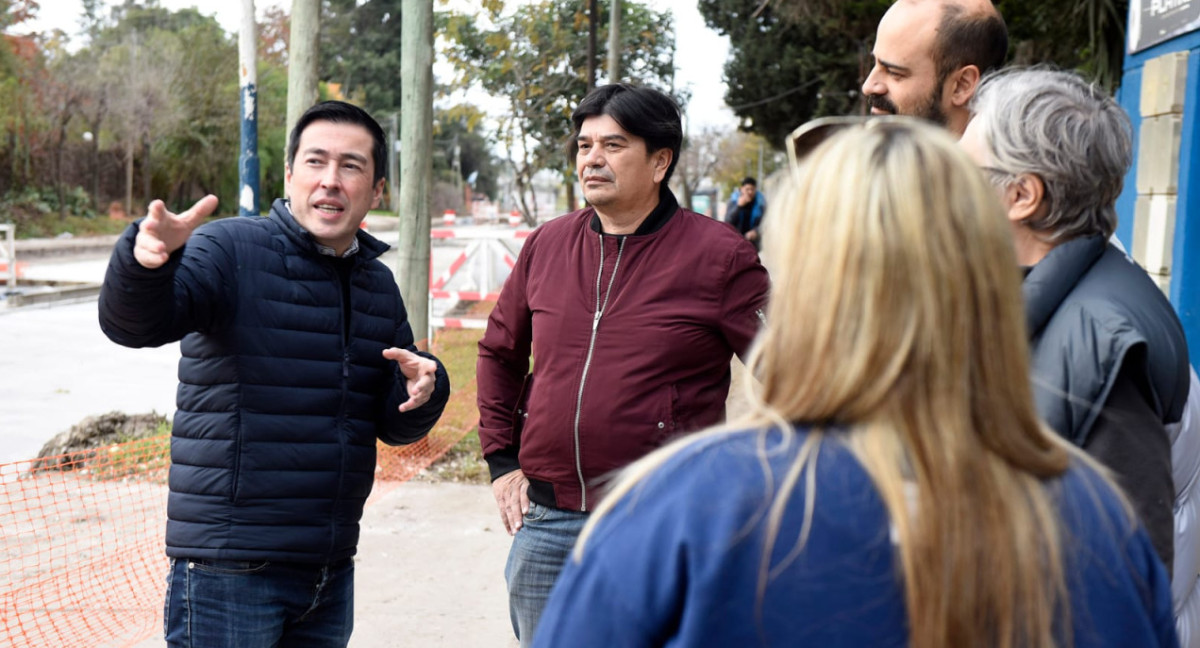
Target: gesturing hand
512, 496
162, 232
421, 375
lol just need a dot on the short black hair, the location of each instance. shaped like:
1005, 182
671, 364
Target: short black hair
969, 38
748, 181
340, 112
645, 112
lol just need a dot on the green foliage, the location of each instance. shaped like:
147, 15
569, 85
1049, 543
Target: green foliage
793, 61
146, 458
461, 127
1087, 35
463, 462
536, 58
36, 213
360, 49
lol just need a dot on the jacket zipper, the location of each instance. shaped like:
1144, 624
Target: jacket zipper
588, 363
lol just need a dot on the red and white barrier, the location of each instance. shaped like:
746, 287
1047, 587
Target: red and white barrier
449, 218
476, 274
514, 218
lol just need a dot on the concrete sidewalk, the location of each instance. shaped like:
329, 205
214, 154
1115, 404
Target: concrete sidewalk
429, 571
431, 558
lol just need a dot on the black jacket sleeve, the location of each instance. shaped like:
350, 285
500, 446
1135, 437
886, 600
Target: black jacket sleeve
1130, 439
400, 428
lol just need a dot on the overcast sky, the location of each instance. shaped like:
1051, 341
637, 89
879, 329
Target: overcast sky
699, 58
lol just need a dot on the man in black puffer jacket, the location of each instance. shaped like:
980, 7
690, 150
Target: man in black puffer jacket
297, 357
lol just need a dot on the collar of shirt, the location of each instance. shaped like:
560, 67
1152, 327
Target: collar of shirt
325, 249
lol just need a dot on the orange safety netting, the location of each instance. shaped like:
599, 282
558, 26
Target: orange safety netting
81, 535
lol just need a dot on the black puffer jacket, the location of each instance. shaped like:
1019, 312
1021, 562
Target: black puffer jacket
1087, 308
279, 405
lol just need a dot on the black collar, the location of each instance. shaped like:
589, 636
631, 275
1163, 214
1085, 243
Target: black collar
667, 206
1049, 281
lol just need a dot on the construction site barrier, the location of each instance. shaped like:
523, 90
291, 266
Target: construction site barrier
475, 275
9, 267
82, 560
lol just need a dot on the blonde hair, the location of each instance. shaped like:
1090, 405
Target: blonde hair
896, 316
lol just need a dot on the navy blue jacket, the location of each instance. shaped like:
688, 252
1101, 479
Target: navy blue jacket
677, 562
281, 395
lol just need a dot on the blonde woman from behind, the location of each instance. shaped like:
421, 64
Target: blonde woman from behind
893, 485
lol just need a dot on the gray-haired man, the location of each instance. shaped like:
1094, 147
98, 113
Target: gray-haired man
1110, 362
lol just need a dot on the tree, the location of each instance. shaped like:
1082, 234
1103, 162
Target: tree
459, 133
791, 61
700, 155
533, 57
1087, 35
360, 49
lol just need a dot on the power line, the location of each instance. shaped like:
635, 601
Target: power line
779, 96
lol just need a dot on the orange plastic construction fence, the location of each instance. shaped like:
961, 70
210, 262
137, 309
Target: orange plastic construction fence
81, 537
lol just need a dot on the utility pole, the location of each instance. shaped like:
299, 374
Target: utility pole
416, 154
394, 162
593, 25
248, 160
303, 48
614, 43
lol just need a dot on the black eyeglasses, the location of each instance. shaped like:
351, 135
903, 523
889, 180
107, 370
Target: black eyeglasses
811, 134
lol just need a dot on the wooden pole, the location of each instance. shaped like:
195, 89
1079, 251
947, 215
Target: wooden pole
416, 155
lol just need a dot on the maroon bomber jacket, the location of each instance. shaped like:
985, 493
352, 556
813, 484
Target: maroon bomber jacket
631, 339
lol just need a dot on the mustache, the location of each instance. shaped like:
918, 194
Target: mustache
881, 102
597, 174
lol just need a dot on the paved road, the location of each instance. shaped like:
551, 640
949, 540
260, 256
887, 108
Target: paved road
56, 367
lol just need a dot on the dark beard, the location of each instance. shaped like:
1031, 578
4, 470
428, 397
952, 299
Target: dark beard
931, 109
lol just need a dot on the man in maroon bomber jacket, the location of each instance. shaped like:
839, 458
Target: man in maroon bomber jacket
632, 309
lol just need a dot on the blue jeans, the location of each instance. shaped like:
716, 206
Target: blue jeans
219, 603
539, 550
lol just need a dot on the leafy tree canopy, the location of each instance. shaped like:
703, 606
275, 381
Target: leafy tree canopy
536, 57
791, 61
360, 49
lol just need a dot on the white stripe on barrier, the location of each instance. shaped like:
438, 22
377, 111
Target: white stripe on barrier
464, 295
457, 323
480, 234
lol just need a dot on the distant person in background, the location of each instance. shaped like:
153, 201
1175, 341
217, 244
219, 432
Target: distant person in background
745, 211
893, 484
297, 358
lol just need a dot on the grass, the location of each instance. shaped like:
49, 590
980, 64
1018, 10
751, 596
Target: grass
463, 463
51, 225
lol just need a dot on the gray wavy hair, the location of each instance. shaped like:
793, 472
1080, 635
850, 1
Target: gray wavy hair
1066, 131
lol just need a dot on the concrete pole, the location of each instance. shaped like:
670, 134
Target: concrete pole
416, 155
303, 48
593, 25
393, 134
614, 43
248, 160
